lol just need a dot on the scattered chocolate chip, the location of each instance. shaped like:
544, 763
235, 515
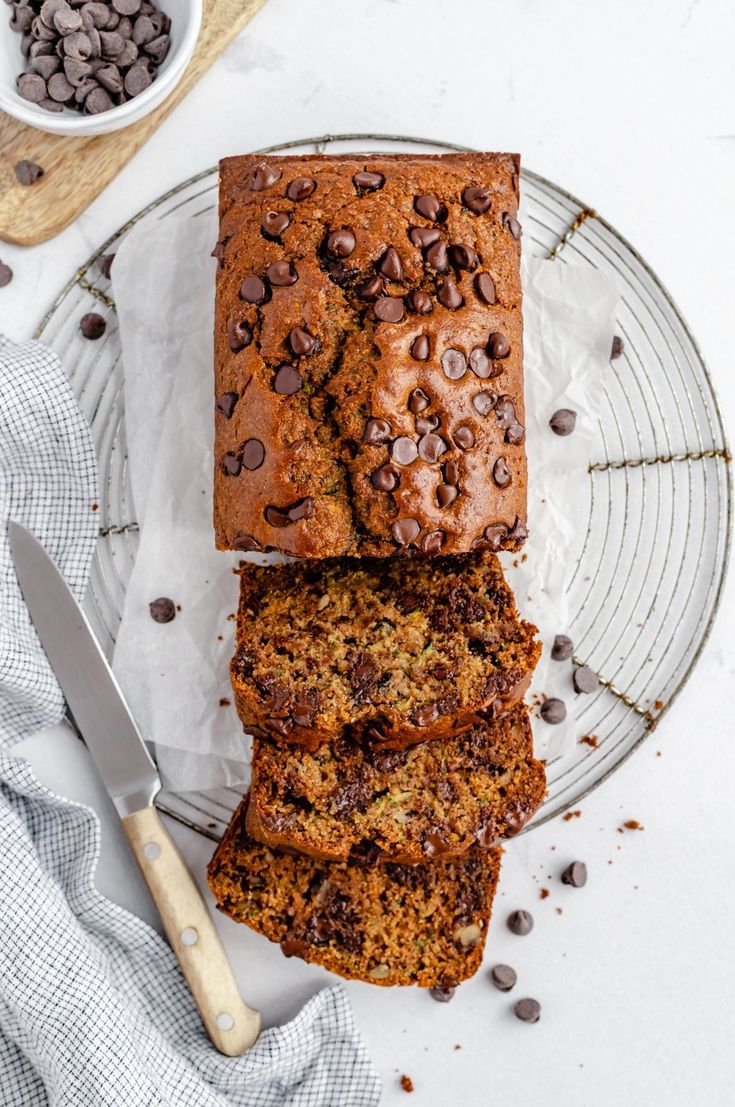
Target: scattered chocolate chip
225, 404
28, 172
480, 363
231, 464
419, 302
341, 243
501, 473
239, 335
617, 347
498, 346
418, 401
430, 208
365, 181
464, 439
420, 348
246, 543
92, 325
253, 454
425, 424
440, 992
388, 309
385, 479
287, 380
281, 274
262, 175
562, 649
424, 236
520, 922
405, 531
376, 432
503, 977
390, 265
446, 494
437, 257
274, 223
512, 224
431, 447
575, 874
300, 188
478, 200
553, 711
449, 295
162, 610
371, 289
454, 364
563, 421
527, 1010
6, 274
301, 342
463, 257
432, 542
484, 402
585, 679
252, 290
404, 450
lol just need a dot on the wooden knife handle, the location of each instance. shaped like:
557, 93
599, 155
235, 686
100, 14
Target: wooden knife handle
232, 1026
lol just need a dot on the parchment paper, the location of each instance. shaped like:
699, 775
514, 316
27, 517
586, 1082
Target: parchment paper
175, 675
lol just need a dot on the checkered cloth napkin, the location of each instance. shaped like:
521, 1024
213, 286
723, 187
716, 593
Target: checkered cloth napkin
93, 1009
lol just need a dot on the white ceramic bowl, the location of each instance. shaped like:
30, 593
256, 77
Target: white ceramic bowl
186, 18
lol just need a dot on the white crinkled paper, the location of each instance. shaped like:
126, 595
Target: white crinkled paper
175, 675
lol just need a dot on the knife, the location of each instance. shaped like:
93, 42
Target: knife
129, 774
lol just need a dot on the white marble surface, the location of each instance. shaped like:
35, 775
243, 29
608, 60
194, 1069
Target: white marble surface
632, 108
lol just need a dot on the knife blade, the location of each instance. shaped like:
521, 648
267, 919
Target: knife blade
129, 774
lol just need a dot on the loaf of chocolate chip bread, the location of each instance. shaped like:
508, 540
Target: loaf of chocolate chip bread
368, 355
386, 924
393, 650
437, 799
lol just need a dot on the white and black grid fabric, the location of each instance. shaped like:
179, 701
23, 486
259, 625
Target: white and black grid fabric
94, 1011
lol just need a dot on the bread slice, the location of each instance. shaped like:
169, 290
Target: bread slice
437, 799
391, 650
385, 924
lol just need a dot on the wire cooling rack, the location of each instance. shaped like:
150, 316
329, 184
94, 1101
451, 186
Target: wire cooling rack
648, 569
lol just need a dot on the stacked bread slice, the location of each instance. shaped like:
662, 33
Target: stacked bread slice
369, 422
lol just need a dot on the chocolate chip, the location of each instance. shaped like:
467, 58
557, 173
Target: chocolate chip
126, 7
426, 715
78, 46
446, 494
405, 531
239, 335
515, 434
440, 992
66, 21
512, 224
6, 274
247, 543
553, 711
225, 404
431, 447
390, 265
617, 347
376, 432
437, 257
300, 188
501, 473
432, 542
385, 479
563, 421
425, 424
274, 223
388, 309
92, 325
485, 288
484, 402
505, 412
464, 439
463, 257
50, 105
21, 18
28, 173
418, 401
419, 302
365, 181
518, 531
231, 464
520, 922
503, 977
252, 290
281, 274
424, 236
301, 342
262, 175
45, 65
478, 200
163, 610
341, 243
97, 100
420, 348
31, 87
449, 295
451, 472
562, 649
480, 363
253, 454
585, 679
454, 364
430, 208
109, 77
76, 71
371, 289
498, 345
575, 874
287, 380
156, 50
404, 450
284, 516
527, 1010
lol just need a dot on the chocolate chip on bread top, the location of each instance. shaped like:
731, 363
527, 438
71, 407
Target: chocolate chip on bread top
368, 355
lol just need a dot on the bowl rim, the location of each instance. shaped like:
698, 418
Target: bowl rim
122, 114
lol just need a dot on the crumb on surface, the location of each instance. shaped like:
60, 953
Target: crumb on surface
178, 607
95, 507
658, 704
590, 740
558, 910
571, 815
458, 1047
543, 893
632, 824
406, 1083
224, 702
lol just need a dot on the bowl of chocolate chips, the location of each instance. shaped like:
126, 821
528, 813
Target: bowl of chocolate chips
86, 67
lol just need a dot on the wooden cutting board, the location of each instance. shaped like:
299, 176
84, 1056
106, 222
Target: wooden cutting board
77, 169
